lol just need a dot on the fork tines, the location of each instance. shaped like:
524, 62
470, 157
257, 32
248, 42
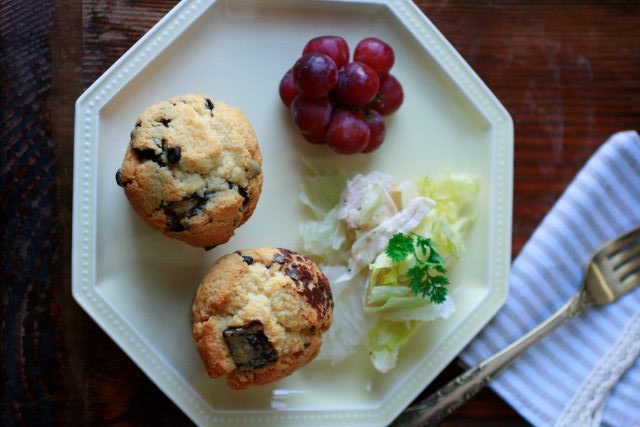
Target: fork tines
624, 257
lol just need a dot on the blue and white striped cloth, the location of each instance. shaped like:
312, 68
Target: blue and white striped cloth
601, 202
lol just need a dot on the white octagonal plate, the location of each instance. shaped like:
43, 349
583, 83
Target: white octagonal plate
138, 285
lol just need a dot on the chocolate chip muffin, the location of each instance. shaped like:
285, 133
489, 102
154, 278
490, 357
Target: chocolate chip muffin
259, 315
193, 169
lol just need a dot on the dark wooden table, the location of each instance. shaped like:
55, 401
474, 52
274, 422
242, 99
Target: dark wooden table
568, 72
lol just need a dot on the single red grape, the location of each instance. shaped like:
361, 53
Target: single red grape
288, 89
389, 97
357, 84
315, 74
348, 132
375, 121
376, 54
311, 116
334, 46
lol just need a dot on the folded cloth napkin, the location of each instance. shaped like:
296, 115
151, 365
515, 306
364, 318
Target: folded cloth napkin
591, 361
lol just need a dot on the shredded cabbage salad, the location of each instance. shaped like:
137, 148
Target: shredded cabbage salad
353, 221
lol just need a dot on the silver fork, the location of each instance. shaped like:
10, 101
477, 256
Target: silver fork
610, 273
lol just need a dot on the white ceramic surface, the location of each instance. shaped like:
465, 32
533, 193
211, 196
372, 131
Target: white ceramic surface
138, 285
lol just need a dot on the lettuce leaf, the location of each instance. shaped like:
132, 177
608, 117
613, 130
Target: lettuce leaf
349, 326
325, 239
321, 193
452, 193
454, 211
399, 310
393, 330
384, 341
389, 294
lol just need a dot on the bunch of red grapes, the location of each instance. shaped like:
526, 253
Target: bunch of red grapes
341, 103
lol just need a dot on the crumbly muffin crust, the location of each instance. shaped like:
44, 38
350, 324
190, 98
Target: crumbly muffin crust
193, 169
259, 315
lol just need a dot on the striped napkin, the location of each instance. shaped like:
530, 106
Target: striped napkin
601, 202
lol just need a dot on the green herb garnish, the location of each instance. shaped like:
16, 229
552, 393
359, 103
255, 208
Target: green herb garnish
428, 277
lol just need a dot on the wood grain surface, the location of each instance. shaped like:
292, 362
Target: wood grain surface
568, 72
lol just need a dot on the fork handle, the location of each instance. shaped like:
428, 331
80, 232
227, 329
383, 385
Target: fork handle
436, 407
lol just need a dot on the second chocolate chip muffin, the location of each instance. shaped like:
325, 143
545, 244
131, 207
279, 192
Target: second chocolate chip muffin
259, 315
193, 169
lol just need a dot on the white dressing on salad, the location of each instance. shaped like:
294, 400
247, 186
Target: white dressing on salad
366, 201
371, 243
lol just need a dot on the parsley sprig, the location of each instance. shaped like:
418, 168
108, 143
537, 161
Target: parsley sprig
428, 277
